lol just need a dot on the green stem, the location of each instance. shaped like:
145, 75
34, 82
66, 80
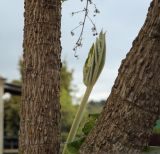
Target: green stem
78, 118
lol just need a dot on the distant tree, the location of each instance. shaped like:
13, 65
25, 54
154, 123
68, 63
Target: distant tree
11, 117
95, 106
66, 77
67, 108
11, 114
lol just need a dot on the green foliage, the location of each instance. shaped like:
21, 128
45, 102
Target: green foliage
11, 114
90, 123
73, 147
68, 110
11, 117
156, 129
66, 77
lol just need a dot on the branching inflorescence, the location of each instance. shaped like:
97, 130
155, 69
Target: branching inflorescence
82, 24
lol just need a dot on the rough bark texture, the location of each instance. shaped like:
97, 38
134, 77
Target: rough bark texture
40, 109
133, 106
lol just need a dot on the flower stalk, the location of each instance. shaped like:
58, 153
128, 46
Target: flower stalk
91, 71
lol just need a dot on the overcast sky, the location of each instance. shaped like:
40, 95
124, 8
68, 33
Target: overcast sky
122, 19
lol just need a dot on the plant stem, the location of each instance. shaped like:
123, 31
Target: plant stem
78, 118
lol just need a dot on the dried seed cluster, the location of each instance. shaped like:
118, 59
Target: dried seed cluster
82, 24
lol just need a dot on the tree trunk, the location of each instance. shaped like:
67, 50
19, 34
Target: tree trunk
133, 106
40, 108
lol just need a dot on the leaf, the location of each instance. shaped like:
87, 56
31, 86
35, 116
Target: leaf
73, 147
90, 124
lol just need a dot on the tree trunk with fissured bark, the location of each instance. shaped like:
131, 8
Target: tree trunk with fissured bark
40, 108
133, 106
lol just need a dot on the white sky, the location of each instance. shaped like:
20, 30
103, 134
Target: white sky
121, 19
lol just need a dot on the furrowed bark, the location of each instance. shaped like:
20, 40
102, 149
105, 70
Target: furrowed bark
133, 106
40, 107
